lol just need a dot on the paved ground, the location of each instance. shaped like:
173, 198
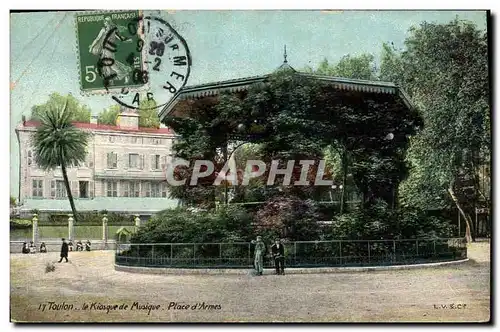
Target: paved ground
444, 294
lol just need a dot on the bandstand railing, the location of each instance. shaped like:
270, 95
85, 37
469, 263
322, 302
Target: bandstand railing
333, 253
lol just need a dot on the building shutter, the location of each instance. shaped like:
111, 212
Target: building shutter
52, 188
125, 161
153, 159
107, 161
91, 189
124, 188
74, 189
115, 160
163, 162
141, 162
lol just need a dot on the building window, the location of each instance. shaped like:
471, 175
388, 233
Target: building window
111, 138
131, 189
134, 188
163, 189
112, 160
60, 189
133, 160
147, 189
30, 158
155, 189
134, 139
84, 189
155, 162
112, 188
37, 188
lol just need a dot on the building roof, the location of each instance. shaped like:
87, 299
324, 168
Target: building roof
130, 205
103, 127
241, 84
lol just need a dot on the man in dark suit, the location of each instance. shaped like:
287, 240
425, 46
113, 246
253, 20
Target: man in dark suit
278, 251
64, 251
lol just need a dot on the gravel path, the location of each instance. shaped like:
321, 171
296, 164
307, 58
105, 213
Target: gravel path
444, 294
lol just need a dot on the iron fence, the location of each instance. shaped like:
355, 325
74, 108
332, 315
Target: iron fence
297, 254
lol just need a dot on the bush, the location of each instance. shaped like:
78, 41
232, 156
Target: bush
228, 224
20, 223
288, 217
380, 222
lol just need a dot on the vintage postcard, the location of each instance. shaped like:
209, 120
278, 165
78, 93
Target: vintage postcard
250, 166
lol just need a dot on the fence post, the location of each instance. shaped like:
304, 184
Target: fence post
153, 254
340, 251
394, 250
295, 253
220, 252
368, 251
416, 244
171, 254
434, 242
194, 254
249, 253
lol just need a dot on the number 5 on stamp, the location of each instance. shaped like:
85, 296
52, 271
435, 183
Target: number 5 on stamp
110, 51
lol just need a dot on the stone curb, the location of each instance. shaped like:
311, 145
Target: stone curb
174, 271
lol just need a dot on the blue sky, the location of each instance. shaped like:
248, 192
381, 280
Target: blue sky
223, 45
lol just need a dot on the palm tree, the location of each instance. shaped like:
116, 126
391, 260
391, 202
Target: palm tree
58, 143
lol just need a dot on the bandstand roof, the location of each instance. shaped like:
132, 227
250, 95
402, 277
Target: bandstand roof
213, 89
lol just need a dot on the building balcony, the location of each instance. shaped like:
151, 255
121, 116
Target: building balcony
129, 175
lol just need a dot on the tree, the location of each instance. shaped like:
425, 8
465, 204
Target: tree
58, 143
444, 68
77, 111
359, 67
109, 115
12, 201
148, 114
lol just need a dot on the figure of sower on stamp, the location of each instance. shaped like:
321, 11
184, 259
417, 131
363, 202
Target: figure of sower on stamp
260, 251
110, 67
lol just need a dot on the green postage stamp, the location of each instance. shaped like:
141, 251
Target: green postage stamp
110, 51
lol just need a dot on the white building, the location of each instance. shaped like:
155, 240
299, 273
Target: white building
124, 171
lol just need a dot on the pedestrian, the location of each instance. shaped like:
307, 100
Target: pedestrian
87, 245
64, 251
259, 252
26, 250
32, 247
43, 248
278, 251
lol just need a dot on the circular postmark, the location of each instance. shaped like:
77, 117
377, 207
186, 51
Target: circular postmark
142, 59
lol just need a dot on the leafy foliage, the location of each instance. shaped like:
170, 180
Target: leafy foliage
358, 67
77, 112
109, 115
148, 114
288, 217
380, 222
444, 68
228, 224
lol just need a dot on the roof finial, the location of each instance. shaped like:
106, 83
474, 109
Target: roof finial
284, 55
